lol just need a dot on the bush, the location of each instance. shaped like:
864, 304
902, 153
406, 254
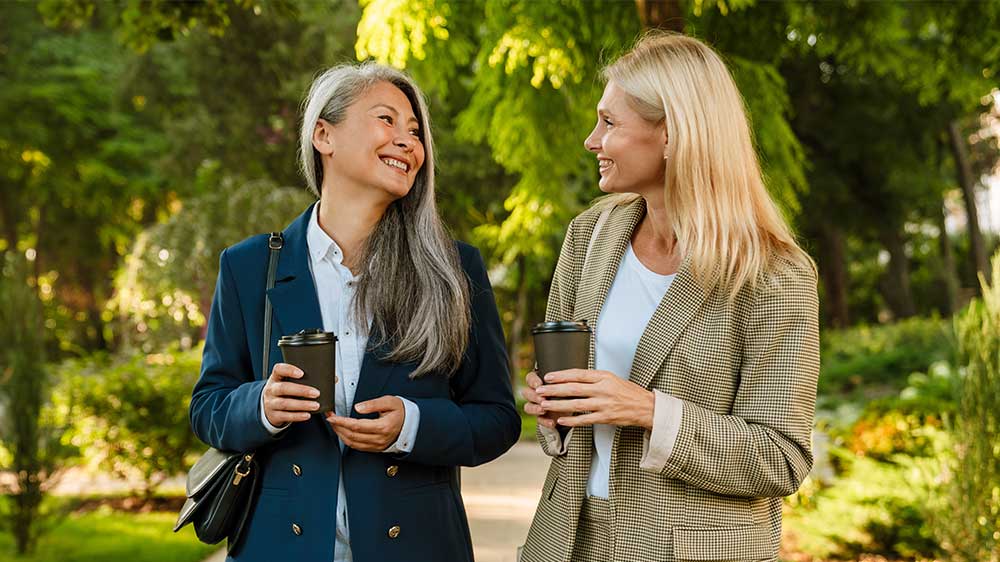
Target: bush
133, 413
869, 356
971, 531
912, 423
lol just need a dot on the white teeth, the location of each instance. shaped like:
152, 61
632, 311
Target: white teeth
604, 164
396, 163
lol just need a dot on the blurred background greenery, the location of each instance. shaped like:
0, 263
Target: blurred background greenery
138, 138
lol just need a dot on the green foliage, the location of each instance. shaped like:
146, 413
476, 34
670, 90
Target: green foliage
103, 535
30, 446
75, 156
130, 417
911, 423
166, 287
132, 414
882, 356
873, 508
141, 23
971, 533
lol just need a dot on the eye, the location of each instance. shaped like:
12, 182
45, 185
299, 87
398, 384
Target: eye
386, 118
608, 122
415, 132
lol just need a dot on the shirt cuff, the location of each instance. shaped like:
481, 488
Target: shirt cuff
555, 444
263, 419
408, 434
658, 445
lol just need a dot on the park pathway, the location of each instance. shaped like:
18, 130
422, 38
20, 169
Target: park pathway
500, 498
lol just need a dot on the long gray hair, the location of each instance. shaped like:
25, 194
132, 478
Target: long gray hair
411, 284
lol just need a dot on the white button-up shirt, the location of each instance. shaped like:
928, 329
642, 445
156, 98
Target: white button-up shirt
335, 288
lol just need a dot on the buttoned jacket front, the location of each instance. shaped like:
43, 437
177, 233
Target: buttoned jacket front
400, 507
745, 370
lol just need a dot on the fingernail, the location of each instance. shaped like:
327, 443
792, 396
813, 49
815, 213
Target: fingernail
549, 377
314, 394
298, 372
315, 405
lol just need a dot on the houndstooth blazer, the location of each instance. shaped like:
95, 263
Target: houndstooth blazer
745, 371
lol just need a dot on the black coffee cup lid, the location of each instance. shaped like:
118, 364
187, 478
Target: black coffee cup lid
308, 337
561, 326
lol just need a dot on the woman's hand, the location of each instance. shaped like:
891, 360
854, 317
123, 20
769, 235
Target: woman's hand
533, 405
286, 402
602, 396
371, 435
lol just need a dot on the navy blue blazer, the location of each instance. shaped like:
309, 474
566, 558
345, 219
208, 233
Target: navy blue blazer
465, 420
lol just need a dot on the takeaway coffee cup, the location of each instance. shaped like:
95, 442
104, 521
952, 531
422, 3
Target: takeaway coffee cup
561, 345
315, 352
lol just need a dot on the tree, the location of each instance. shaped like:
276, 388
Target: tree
76, 184
30, 445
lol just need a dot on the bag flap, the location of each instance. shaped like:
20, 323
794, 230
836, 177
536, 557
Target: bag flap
210, 464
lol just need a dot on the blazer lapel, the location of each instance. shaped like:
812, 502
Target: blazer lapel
293, 297
682, 301
600, 269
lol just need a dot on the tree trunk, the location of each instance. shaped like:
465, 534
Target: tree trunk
7, 215
661, 14
960, 153
896, 288
948, 274
517, 327
834, 272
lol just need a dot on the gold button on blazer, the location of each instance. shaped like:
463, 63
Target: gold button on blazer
745, 369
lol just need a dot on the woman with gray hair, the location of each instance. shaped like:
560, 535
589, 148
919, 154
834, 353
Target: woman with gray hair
422, 385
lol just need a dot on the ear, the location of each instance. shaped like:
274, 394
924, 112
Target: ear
323, 137
665, 139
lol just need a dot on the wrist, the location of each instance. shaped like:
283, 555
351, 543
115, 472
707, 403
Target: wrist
649, 406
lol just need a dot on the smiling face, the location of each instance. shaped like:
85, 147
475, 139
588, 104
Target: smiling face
629, 149
377, 145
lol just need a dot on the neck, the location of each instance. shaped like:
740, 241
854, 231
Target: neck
655, 231
349, 218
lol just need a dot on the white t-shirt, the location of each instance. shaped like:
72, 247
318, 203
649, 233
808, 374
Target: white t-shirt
631, 302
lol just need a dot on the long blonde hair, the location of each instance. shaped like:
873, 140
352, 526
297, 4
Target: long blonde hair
722, 214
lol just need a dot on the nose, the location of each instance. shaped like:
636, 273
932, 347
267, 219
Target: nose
406, 142
593, 141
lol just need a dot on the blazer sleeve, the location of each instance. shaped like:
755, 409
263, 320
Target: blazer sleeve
560, 306
226, 399
480, 422
763, 448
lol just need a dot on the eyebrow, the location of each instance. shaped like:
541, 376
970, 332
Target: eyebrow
603, 111
393, 110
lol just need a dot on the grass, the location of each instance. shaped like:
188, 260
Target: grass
107, 536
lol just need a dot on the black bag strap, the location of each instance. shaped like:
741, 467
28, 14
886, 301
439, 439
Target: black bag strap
274, 243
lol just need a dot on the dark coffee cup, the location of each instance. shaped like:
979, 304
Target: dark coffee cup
315, 352
561, 345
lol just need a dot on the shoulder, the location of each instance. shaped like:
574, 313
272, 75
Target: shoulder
247, 251
787, 281
468, 255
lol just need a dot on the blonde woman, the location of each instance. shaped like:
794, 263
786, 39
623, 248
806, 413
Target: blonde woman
696, 416
422, 385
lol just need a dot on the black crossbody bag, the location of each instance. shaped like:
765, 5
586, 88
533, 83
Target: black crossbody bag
221, 486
